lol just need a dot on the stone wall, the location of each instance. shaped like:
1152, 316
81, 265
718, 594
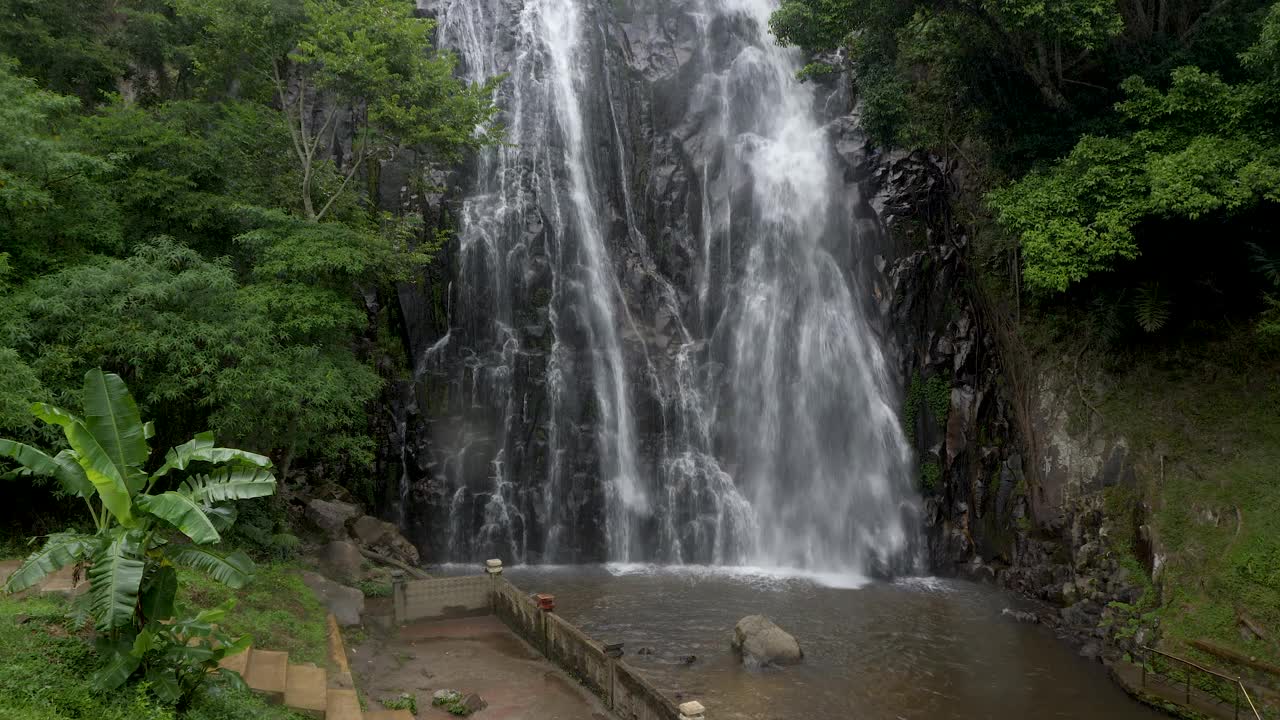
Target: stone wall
621, 687
442, 598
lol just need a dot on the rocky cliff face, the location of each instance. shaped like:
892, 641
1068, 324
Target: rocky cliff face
1014, 484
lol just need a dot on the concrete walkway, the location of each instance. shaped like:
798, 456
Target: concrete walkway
476, 654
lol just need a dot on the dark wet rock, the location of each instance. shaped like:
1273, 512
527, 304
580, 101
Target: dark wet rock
1021, 616
331, 517
473, 703
346, 603
342, 561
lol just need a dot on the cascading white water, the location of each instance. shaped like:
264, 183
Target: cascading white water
548, 165
820, 451
769, 437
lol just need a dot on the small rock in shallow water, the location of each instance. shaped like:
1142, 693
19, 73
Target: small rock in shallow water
1021, 616
474, 703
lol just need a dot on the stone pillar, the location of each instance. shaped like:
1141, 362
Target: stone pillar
401, 604
692, 710
494, 568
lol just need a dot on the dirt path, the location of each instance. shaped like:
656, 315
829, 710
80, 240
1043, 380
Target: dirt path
477, 655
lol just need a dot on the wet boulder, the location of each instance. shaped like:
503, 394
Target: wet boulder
384, 537
342, 561
331, 517
760, 642
346, 603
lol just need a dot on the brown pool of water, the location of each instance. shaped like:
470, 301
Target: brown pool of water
919, 648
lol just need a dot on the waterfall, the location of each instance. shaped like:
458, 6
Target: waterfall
662, 347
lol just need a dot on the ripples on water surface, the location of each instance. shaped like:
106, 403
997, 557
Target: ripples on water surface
914, 648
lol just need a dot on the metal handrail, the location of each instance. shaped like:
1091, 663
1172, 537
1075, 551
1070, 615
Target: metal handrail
1239, 686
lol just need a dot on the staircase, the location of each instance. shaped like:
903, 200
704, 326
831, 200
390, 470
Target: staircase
304, 687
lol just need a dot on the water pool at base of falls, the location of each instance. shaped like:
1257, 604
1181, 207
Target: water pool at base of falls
931, 648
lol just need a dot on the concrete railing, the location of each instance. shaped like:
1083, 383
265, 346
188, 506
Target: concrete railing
623, 690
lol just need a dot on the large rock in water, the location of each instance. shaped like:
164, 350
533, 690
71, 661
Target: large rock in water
760, 642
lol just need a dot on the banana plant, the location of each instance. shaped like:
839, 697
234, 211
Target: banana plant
147, 524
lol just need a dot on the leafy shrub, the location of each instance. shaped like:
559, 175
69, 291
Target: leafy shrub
403, 701
132, 566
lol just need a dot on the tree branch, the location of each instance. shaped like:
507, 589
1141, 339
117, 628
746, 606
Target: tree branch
364, 155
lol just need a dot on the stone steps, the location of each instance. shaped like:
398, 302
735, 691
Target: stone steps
238, 662
343, 704
267, 674
307, 690
303, 687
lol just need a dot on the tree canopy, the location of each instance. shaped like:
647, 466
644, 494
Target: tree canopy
1100, 132
189, 198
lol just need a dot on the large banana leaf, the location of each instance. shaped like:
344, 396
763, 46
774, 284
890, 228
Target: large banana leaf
102, 472
114, 582
180, 455
58, 551
63, 466
121, 663
200, 449
235, 570
230, 483
162, 679
112, 416
182, 512
158, 593
53, 415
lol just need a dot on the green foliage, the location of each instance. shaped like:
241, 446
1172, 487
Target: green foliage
375, 588
1218, 515
452, 703
277, 610
1151, 308
403, 701
278, 374
178, 657
262, 529
181, 191
131, 564
375, 55
53, 204
58, 41
932, 396
930, 476
43, 666
1202, 147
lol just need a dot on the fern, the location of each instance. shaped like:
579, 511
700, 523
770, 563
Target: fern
1151, 308
1106, 319
1265, 264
